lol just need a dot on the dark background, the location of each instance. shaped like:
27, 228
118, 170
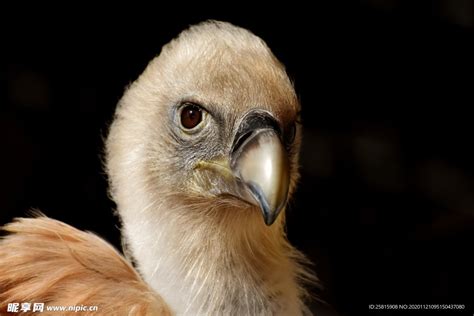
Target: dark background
385, 208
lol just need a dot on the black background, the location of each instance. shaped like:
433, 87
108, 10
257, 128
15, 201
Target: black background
385, 207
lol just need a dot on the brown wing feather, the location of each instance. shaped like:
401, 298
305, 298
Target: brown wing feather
44, 260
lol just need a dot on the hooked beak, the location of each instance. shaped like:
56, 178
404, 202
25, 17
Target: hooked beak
259, 160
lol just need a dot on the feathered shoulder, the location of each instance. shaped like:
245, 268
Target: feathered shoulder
46, 261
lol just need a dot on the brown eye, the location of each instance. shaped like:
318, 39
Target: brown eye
191, 116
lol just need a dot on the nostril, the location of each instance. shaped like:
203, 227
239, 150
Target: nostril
290, 134
253, 121
240, 141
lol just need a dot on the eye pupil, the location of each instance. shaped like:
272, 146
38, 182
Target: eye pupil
191, 116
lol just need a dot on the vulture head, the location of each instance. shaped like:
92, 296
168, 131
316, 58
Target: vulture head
202, 157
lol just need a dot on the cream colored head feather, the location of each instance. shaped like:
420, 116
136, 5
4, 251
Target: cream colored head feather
196, 234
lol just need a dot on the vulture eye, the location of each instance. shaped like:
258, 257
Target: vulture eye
191, 115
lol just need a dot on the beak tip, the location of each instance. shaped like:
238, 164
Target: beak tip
270, 213
269, 218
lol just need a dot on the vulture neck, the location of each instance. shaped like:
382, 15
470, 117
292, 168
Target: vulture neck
214, 258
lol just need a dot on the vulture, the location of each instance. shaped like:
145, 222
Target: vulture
202, 158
